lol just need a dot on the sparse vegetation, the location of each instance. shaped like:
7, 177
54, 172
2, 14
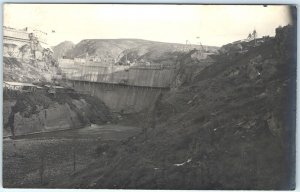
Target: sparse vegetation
223, 130
228, 125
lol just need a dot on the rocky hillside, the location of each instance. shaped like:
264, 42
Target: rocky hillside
230, 127
61, 49
16, 69
118, 50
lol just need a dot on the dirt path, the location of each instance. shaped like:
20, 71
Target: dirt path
40, 158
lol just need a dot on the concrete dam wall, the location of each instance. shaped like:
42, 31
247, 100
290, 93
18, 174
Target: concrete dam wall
121, 98
159, 77
127, 89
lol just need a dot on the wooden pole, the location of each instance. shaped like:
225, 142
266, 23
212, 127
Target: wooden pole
42, 169
74, 160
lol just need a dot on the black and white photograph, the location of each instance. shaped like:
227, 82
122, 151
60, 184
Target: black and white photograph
149, 96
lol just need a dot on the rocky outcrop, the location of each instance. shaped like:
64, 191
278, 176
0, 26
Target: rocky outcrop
19, 70
57, 117
189, 65
39, 112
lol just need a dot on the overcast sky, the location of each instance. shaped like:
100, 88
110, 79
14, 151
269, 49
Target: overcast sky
214, 24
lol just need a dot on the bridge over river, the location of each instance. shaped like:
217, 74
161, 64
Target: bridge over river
127, 89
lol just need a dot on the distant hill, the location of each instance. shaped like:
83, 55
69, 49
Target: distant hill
61, 49
120, 50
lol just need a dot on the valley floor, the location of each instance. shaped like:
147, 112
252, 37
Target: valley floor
35, 160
